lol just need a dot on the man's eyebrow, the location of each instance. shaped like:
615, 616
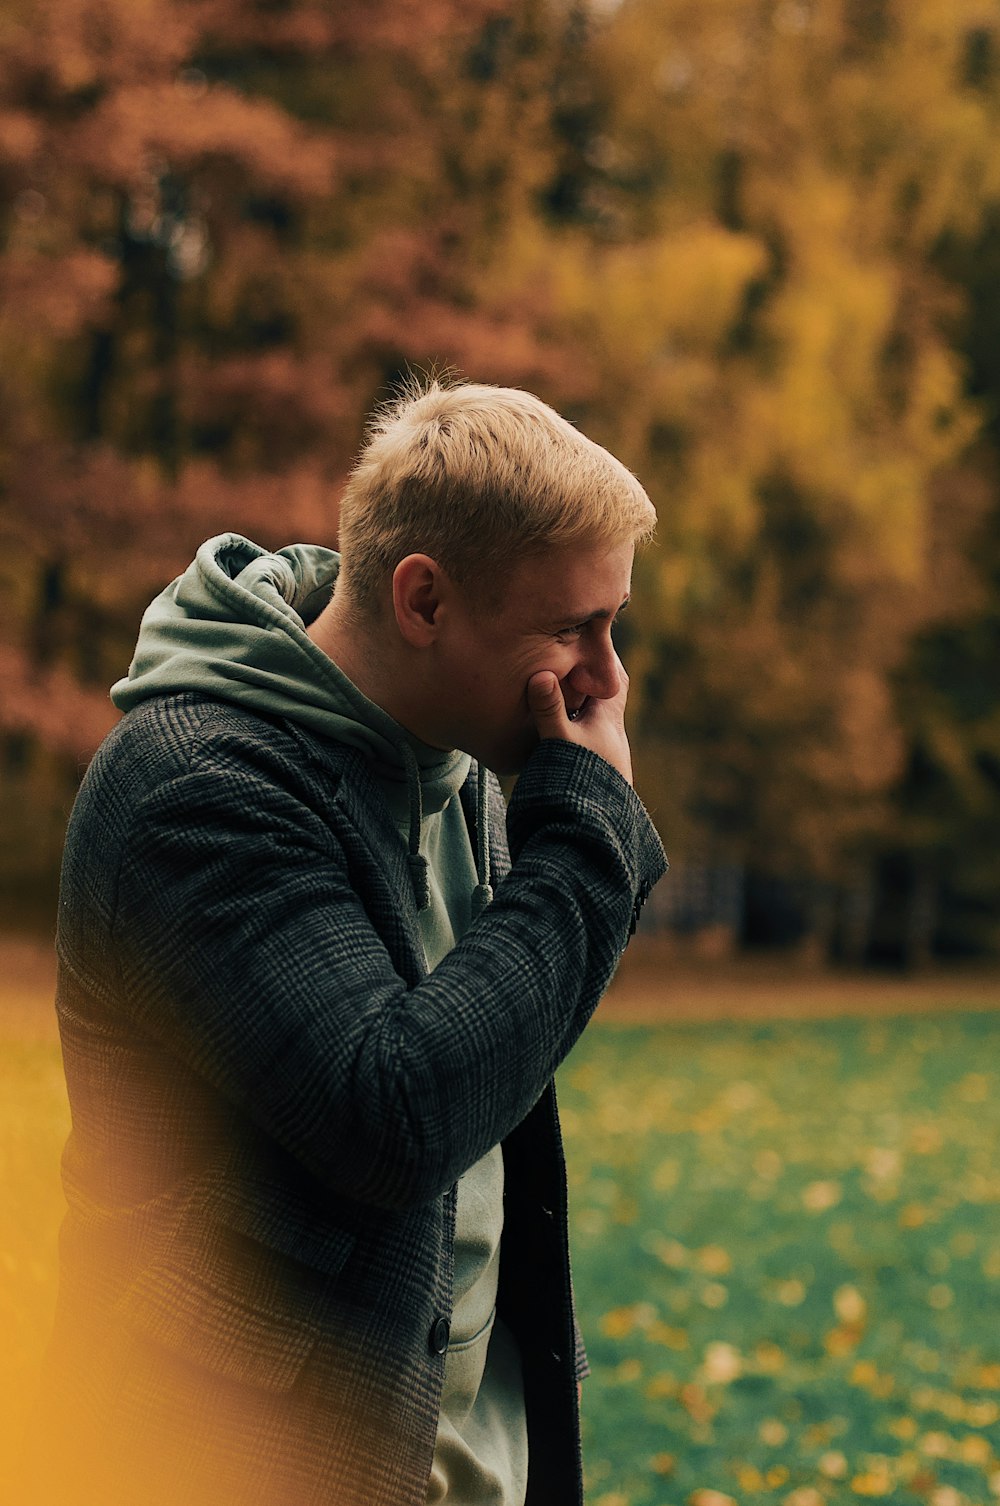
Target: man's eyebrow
600, 615
603, 614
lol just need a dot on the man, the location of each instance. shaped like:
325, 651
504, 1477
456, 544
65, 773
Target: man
311, 1006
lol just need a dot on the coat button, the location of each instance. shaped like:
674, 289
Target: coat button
439, 1335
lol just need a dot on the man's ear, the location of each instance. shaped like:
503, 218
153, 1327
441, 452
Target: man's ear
418, 587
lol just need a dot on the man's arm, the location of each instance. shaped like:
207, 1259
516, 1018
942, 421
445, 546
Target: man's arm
244, 947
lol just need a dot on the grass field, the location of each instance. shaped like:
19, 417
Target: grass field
787, 1251
787, 1256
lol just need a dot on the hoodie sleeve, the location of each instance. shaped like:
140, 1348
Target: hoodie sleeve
242, 940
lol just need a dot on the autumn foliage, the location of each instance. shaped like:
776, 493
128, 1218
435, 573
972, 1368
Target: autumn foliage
740, 243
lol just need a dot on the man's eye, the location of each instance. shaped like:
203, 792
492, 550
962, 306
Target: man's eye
571, 632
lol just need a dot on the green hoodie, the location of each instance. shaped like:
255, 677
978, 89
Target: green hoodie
233, 627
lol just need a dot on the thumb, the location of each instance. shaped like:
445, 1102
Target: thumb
546, 704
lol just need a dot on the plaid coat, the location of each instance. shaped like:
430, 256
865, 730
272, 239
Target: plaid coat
272, 1102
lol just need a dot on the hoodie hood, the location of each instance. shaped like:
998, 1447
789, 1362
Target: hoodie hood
233, 626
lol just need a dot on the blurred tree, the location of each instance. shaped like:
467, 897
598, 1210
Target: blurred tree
757, 213
224, 226
737, 242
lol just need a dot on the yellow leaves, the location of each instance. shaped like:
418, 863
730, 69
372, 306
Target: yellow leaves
947, 1495
974, 1450
770, 1358
710, 1498
849, 1305
982, 1414
722, 1364
666, 1175
681, 289
640, 1317
887, 497
873, 1482
749, 1477
977, 1412
883, 1163
713, 1294
668, 1336
852, 1310
833, 1464
663, 1464
926, 1139
819, 1434
696, 1403
818, 1197
936, 1445
868, 1376
974, 1088
671, 1252
584, 1078
768, 1165
857, 1360
618, 1323
841, 1340
714, 1260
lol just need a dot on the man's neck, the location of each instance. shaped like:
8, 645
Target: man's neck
345, 637
361, 646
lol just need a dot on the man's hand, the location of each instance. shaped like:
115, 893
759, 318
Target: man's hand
599, 725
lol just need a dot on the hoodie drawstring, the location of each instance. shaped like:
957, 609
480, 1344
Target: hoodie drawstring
482, 894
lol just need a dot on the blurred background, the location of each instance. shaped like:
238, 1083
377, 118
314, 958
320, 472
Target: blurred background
753, 247
749, 245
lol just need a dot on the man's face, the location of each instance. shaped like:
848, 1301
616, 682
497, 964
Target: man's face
556, 613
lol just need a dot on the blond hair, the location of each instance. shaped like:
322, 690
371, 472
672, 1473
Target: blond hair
478, 476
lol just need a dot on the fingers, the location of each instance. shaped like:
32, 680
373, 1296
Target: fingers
600, 725
546, 704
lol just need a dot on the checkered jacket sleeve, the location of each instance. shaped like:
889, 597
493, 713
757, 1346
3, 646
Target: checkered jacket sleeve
256, 926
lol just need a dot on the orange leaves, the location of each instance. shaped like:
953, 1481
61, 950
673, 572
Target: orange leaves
49, 705
166, 121
21, 136
80, 46
54, 296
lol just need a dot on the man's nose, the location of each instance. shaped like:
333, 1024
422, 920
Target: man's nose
597, 673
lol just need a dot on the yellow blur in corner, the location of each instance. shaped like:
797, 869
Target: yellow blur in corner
34, 1123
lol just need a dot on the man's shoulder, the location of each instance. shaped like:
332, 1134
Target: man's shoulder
189, 726
184, 736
